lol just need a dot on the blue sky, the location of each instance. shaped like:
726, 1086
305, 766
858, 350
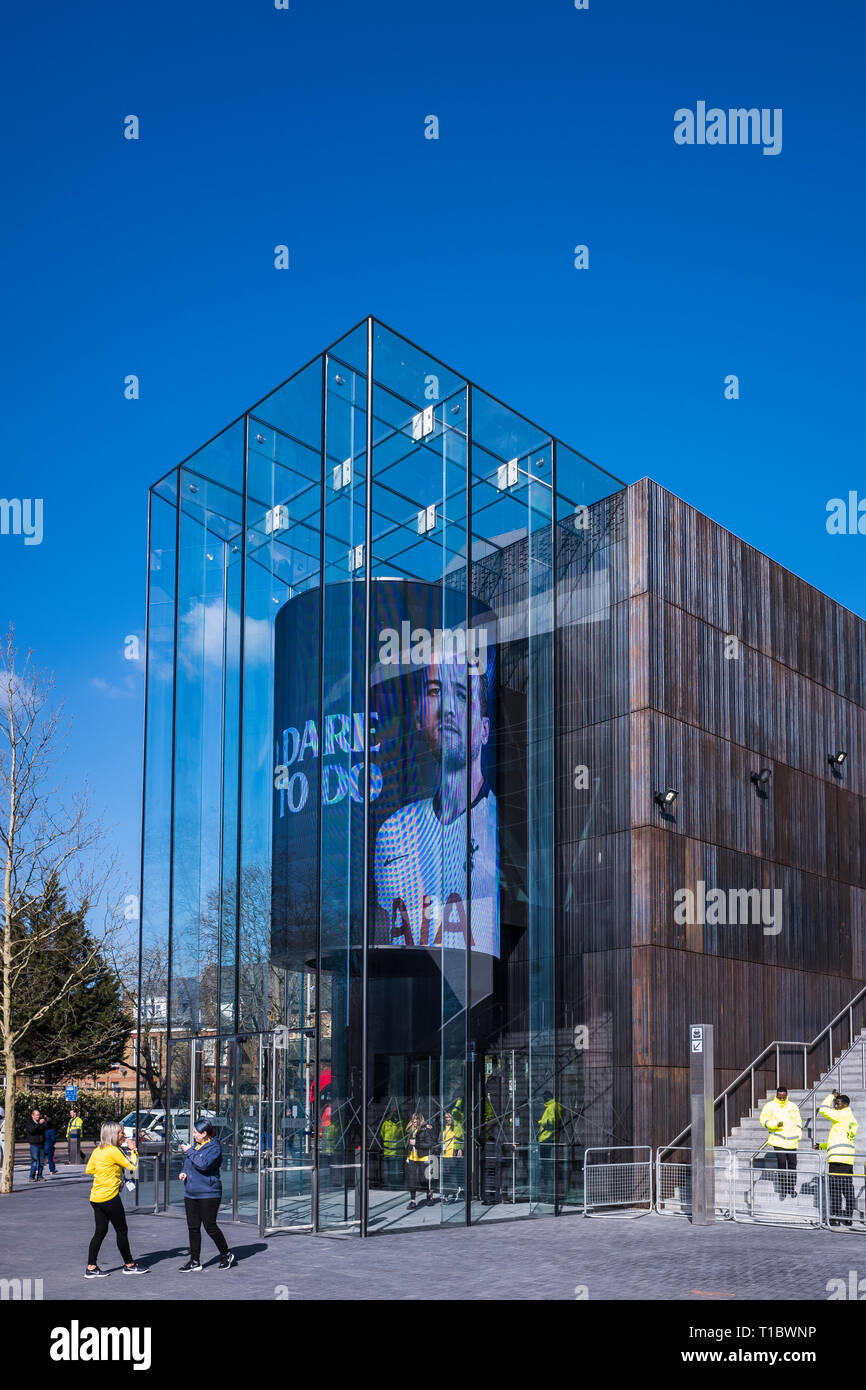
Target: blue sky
306, 127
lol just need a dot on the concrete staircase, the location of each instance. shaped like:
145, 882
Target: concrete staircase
762, 1192
846, 1074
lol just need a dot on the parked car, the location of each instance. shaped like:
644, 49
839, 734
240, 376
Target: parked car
145, 1120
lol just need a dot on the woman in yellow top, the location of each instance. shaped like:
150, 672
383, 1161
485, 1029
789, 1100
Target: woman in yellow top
106, 1167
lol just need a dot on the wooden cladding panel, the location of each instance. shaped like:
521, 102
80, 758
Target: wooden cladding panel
810, 823
700, 567
752, 700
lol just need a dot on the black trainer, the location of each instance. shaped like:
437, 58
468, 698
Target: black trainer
135, 1269
227, 1260
96, 1273
191, 1267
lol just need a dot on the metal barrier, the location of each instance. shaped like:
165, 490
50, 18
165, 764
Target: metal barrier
766, 1193
840, 1192
142, 1179
618, 1187
673, 1191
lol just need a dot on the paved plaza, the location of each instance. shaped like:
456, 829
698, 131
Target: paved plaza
45, 1229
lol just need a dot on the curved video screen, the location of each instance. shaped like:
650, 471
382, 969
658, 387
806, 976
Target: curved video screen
431, 745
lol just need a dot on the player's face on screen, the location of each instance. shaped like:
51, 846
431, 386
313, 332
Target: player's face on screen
442, 712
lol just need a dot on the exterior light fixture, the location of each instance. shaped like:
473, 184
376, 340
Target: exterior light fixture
193, 487
837, 759
260, 439
455, 410
666, 799
340, 380
762, 777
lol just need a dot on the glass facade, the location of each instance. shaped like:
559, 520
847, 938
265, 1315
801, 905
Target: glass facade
379, 642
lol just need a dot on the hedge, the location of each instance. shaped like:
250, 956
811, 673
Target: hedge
94, 1107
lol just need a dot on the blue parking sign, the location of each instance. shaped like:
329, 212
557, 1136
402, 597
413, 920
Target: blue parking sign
72, 1093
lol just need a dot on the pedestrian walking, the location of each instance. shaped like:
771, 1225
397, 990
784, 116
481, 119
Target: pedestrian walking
419, 1137
50, 1140
203, 1192
839, 1147
106, 1166
781, 1118
35, 1135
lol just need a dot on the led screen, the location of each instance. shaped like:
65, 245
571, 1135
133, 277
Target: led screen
431, 746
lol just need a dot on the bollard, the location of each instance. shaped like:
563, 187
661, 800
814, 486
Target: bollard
703, 1124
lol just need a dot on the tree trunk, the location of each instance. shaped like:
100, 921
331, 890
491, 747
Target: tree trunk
6, 1175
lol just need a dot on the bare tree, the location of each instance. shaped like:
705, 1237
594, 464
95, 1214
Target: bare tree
45, 844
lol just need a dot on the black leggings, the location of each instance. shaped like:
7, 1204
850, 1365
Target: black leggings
103, 1213
202, 1211
417, 1175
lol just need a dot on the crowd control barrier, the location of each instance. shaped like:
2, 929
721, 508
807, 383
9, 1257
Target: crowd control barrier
753, 1189
614, 1185
765, 1193
673, 1185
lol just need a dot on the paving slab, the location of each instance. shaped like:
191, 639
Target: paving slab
45, 1229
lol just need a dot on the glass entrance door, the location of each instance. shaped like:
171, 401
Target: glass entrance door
287, 1150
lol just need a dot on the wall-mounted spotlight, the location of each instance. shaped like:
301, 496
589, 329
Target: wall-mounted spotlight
193, 487
455, 409
836, 760
666, 799
762, 778
340, 380
260, 439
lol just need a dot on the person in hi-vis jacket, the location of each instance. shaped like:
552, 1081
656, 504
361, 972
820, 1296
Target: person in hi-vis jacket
839, 1147
781, 1118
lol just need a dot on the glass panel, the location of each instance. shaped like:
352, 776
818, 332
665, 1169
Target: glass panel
593, 947
248, 1129
289, 1173
281, 641
151, 1054
431, 765
206, 686
516, 1115
343, 752
176, 1123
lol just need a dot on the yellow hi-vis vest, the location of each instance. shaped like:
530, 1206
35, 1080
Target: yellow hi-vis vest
788, 1116
75, 1126
840, 1140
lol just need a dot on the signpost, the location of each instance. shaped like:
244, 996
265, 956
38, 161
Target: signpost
72, 1094
701, 1087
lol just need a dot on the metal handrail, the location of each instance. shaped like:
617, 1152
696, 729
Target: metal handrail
827, 1030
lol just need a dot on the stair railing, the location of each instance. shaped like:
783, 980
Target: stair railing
826, 1079
826, 1033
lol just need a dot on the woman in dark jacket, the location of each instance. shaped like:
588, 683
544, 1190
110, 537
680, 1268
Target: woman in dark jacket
419, 1138
202, 1196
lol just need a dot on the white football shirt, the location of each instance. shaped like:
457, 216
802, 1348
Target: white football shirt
420, 869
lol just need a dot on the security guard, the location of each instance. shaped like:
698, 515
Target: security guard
393, 1150
549, 1129
73, 1132
781, 1118
840, 1154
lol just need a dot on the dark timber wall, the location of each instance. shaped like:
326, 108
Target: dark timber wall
702, 722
